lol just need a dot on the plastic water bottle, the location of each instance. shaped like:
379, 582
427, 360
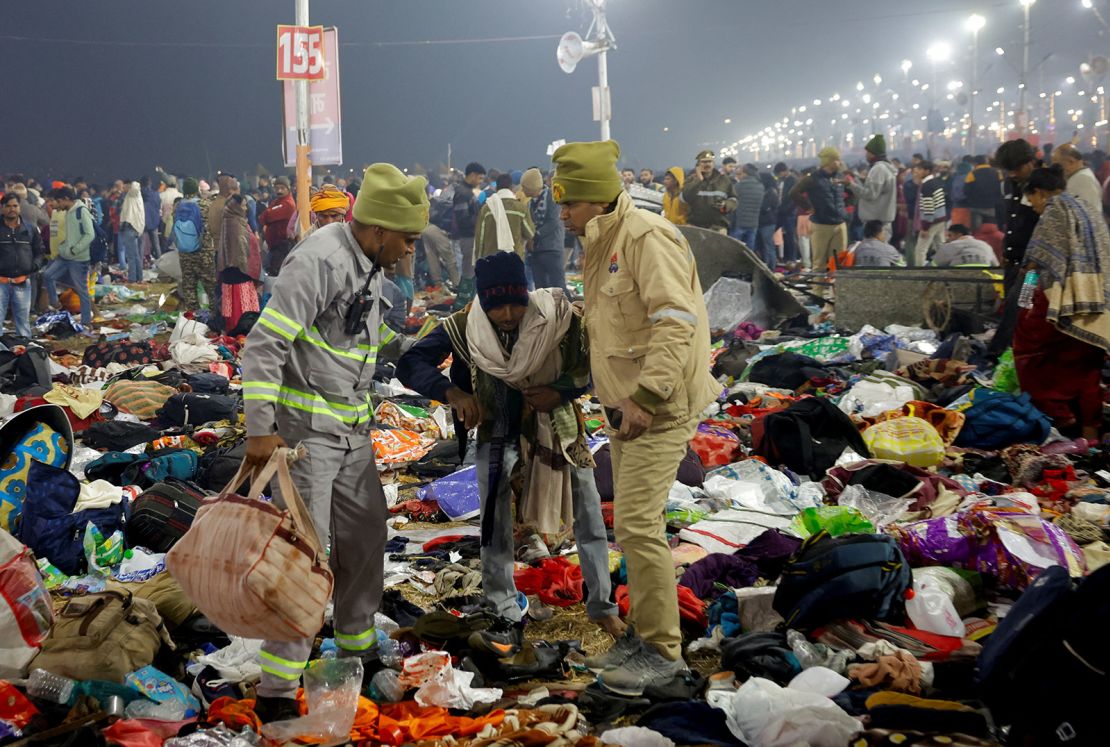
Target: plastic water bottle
386, 687
1028, 286
48, 686
389, 651
931, 610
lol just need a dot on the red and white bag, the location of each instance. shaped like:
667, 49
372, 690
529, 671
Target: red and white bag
26, 614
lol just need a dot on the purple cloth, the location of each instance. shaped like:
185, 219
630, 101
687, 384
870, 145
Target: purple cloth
763, 557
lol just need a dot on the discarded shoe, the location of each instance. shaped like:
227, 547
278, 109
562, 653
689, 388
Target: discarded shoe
502, 638
620, 652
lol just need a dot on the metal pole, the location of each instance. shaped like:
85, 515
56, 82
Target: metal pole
1024, 73
974, 82
304, 168
603, 84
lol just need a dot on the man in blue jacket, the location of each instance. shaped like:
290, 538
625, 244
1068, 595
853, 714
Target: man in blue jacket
21, 255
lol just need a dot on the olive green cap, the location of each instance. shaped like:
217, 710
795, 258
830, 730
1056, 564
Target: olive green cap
586, 172
390, 199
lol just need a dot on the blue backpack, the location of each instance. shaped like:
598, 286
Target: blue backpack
187, 226
996, 420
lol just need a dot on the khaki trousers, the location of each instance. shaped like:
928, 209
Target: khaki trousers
825, 243
643, 471
931, 238
440, 254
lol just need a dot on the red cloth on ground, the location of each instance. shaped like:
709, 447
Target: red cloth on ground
432, 544
556, 581
1062, 375
690, 608
143, 732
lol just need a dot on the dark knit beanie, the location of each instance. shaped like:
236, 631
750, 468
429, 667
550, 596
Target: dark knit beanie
500, 280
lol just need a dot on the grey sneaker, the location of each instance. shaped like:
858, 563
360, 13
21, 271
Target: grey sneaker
644, 667
620, 652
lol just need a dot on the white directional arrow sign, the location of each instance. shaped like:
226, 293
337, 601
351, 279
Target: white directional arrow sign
324, 111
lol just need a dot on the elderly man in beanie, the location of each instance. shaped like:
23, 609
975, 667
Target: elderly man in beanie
546, 258
275, 225
709, 194
825, 194
194, 247
308, 365
519, 360
878, 195
649, 348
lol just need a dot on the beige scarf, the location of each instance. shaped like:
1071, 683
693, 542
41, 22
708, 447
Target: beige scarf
505, 241
535, 361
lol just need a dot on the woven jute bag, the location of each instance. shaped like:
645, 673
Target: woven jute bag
253, 569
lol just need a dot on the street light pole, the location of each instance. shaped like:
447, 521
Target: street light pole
975, 22
1023, 114
300, 88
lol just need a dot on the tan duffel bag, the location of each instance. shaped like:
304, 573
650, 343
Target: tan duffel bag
253, 569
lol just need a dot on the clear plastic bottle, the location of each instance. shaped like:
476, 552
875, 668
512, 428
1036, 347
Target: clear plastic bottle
389, 651
386, 687
1028, 287
49, 686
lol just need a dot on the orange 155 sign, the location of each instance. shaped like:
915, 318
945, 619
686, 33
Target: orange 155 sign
300, 52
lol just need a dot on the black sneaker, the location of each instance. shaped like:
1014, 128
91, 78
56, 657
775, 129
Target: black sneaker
269, 710
502, 638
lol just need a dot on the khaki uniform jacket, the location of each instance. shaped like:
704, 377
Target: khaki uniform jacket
649, 333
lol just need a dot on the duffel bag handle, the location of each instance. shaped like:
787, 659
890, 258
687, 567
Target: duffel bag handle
291, 497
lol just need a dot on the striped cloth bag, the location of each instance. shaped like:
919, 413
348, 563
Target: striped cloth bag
143, 399
253, 569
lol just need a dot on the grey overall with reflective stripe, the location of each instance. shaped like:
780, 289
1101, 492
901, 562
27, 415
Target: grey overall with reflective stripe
309, 382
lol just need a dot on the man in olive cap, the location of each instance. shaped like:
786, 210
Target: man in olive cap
709, 194
649, 348
308, 365
823, 191
878, 195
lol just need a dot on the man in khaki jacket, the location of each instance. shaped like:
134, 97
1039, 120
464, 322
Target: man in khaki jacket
649, 357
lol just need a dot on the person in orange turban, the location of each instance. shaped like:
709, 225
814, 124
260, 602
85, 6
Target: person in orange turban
329, 205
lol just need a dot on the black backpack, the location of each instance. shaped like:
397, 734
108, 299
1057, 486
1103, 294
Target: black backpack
785, 370
808, 437
161, 515
197, 409
208, 383
118, 435
19, 372
856, 576
1045, 671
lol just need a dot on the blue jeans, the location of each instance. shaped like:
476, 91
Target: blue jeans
767, 250
18, 297
129, 242
74, 274
589, 534
747, 235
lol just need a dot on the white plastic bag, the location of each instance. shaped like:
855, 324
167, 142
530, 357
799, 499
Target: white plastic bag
820, 681
332, 688
762, 714
878, 508
870, 398
752, 484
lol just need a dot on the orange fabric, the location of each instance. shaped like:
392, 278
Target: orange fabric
235, 714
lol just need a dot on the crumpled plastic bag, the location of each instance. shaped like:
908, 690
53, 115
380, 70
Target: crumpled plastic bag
836, 520
220, 736
762, 714
332, 688
102, 552
636, 736
869, 399
878, 508
820, 681
442, 685
235, 662
752, 484
1005, 374
189, 344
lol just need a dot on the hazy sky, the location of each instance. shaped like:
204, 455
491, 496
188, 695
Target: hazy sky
110, 88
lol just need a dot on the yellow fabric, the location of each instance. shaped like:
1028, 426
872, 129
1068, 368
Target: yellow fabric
329, 198
83, 402
645, 313
674, 209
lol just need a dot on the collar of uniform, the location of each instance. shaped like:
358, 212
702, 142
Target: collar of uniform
364, 263
601, 227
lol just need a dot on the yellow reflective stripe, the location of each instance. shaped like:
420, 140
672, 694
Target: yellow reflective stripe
360, 642
304, 401
386, 333
270, 325
318, 341
270, 311
283, 668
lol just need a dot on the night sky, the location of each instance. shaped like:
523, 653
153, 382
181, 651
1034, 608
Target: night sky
105, 88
